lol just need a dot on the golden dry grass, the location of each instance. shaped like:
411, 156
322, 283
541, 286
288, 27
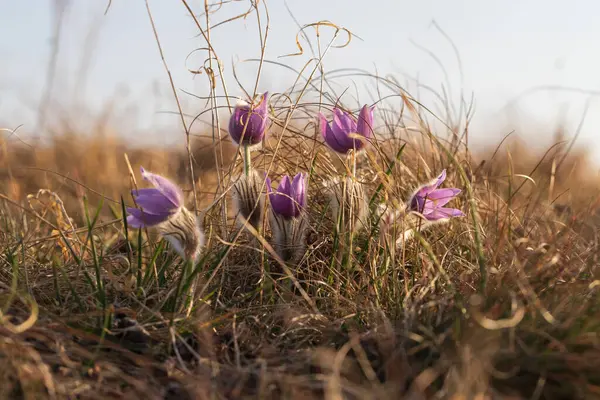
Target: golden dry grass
535, 335
92, 310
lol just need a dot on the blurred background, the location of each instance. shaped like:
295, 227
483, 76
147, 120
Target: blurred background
528, 67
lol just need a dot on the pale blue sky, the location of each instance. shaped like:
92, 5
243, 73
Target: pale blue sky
506, 48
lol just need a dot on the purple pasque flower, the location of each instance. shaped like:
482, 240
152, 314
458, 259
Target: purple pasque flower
247, 126
289, 199
158, 204
428, 200
337, 133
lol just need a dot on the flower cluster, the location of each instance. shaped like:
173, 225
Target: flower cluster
163, 205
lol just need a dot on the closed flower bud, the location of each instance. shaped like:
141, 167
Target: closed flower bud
248, 123
287, 217
290, 197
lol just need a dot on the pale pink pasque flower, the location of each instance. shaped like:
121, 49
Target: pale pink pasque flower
429, 201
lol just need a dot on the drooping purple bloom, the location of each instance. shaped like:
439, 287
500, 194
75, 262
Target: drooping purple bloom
247, 127
290, 197
428, 200
158, 204
337, 133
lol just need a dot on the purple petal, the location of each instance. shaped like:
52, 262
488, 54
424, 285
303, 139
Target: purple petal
445, 193
147, 219
441, 178
424, 191
155, 203
299, 193
427, 188
133, 222
144, 191
285, 186
283, 205
440, 197
283, 201
417, 203
323, 125
298, 183
342, 137
234, 130
364, 126
343, 121
273, 197
331, 138
263, 107
166, 187
443, 213
261, 112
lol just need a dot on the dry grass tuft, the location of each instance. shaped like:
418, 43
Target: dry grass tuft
385, 328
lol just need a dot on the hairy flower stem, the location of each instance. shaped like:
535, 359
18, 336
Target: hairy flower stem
349, 194
248, 201
247, 160
350, 233
289, 236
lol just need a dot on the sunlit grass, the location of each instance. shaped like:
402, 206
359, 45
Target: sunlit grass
502, 302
